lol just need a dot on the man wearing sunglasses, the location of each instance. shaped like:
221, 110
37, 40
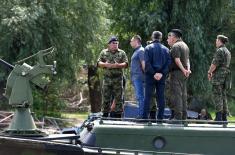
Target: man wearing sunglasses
112, 60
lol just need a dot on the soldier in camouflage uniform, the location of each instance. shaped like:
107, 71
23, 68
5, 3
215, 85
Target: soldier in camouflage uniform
217, 74
112, 60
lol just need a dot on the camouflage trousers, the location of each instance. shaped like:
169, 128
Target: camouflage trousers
220, 98
178, 94
112, 89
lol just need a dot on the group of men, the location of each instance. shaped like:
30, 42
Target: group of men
150, 67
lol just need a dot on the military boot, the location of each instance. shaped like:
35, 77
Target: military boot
172, 114
178, 115
105, 114
152, 115
218, 117
224, 118
177, 118
116, 115
112, 114
184, 115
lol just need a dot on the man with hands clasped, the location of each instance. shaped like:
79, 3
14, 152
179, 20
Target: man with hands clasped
157, 61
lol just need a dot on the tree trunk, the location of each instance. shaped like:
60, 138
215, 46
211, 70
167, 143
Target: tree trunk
94, 89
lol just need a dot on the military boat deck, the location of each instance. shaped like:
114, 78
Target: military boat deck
130, 136
184, 137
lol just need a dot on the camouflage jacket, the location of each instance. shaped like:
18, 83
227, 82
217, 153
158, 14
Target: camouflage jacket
221, 60
117, 57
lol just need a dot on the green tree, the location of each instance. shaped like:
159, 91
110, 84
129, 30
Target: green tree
200, 21
28, 26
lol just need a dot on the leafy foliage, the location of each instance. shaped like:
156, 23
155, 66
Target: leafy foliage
78, 29
200, 21
28, 26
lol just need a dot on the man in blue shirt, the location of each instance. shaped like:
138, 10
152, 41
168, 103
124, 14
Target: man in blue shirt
137, 71
157, 61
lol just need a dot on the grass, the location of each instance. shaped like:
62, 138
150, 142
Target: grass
232, 118
77, 115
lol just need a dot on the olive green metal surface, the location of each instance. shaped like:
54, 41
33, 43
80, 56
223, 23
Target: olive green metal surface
191, 139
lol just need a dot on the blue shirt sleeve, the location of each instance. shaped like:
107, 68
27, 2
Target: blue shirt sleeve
148, 58
141, 55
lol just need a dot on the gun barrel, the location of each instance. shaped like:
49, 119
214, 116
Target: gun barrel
44, 52
6, 64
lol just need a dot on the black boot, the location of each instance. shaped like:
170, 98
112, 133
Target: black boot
116, 114
185, 115
152, 114
105, 114
172, 115
112, 114
178, 115
218, 117
224, 118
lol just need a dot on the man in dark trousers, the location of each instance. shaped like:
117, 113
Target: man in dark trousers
157, 61
179, 72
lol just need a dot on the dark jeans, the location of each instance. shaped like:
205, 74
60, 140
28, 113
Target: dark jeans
150, 85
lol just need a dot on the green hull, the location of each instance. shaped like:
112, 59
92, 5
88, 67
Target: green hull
174, 138
125, 137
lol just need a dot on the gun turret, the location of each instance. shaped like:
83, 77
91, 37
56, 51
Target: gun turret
18, 88
19, 93
6, 65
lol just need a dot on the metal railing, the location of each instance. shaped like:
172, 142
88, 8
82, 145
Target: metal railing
152, 122
104, 151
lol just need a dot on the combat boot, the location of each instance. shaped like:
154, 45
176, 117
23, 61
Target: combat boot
112, 114
218, 117
224, 118
105, 114
172, 114
152, 115
116, 115
184, 115
177, 118
178, 115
